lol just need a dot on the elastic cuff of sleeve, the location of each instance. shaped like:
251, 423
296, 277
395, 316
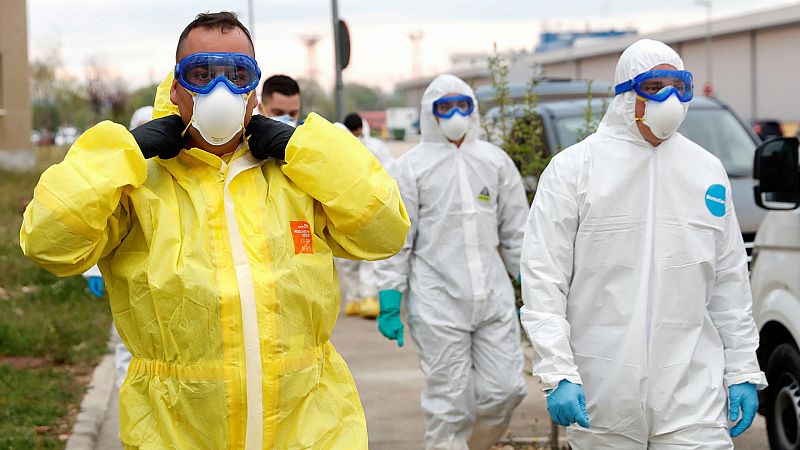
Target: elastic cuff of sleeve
390, 299
757, 379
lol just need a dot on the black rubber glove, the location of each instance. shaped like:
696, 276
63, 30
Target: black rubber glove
268, 138
161, 137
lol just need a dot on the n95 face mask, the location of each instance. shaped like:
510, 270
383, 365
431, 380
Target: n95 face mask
455, 127
664, 118
219, 115
287, 119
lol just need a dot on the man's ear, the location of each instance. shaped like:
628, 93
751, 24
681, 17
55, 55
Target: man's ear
252, 102
173, 92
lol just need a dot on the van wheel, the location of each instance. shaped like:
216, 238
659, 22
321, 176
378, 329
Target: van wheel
783, 398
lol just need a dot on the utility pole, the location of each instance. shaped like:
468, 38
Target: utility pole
310, 41
251, 20
708, 87
339, 84
416, 53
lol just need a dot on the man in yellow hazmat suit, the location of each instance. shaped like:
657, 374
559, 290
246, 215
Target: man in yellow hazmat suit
215, 232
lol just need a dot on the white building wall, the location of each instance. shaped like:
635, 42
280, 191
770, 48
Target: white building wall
566, 69
600, 68
777, 71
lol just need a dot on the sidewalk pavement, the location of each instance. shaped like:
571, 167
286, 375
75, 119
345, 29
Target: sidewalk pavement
389, 382
93, 413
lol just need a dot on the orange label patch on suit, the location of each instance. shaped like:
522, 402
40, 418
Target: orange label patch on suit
301, 234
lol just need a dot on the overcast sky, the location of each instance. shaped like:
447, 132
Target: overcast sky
138, 38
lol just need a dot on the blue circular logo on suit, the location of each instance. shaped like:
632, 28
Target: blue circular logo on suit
715, 200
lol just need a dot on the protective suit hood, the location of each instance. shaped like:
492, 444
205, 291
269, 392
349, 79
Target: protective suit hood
640, 57
163, 106
440, 86
365, 130
141, 116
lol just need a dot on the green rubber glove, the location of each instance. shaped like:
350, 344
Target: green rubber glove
389, 323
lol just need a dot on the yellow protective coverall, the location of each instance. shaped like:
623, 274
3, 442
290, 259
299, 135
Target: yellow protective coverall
221, 279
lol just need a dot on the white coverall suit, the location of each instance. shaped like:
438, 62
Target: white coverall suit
635, 282
464, 203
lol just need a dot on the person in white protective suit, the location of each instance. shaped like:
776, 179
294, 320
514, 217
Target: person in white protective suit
634, 277
360, 129
467, 207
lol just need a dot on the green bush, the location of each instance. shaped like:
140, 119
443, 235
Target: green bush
518, 129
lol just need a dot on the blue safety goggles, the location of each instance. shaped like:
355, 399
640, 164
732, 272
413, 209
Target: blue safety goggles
200, 72
651, 85
445, 107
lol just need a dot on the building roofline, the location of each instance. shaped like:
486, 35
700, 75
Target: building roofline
764, 19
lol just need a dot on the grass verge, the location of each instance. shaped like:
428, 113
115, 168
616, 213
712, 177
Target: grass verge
52, 332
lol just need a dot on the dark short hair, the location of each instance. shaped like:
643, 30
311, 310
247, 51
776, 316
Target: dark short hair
281, 84
353, 122
223, 20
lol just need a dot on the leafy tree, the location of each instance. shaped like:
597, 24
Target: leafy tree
57, 100
143, 96
315, 99
518, 128
590, 121
358, 97
107, 93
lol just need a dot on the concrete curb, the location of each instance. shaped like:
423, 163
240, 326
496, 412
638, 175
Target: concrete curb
94, 405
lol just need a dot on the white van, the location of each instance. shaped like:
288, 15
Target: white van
775, 277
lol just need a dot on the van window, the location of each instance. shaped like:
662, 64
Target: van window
716, 130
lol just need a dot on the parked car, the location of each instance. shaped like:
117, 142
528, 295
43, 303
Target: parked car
546, 90
710, 123
775, 280
66, 136
36, 136
766, 129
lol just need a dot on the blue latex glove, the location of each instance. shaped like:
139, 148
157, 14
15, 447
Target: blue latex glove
567, 404
389, 323
96, 286
742, 396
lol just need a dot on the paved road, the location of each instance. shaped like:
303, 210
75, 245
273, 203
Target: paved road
390, 383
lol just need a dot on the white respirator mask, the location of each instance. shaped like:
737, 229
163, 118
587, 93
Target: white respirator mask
664, 118
455, 127
219, 115
287, 119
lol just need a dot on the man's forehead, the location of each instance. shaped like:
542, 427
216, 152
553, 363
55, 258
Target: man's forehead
279, 99
664, 66
202, 39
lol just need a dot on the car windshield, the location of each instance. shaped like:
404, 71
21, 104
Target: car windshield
716, 130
